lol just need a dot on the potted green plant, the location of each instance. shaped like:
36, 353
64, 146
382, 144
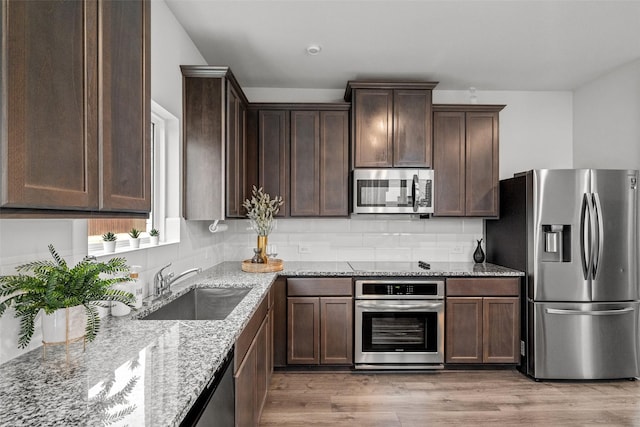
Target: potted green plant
261, 209
154, 237
134, 239
109, 242
63, 293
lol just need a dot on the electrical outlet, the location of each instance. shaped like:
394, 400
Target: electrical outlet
522, 348
304, 249
457, 249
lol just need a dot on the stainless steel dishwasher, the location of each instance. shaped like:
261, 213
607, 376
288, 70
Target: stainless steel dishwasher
216, 404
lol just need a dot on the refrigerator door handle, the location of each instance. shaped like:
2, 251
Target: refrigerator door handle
599, 234
585, 241
590, 312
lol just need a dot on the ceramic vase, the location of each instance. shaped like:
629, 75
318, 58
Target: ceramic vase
154, 240
64, 325
134, 243
478, 255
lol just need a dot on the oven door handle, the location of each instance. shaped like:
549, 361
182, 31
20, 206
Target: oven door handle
396, 307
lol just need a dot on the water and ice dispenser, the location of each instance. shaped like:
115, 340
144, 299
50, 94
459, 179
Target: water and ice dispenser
556, 245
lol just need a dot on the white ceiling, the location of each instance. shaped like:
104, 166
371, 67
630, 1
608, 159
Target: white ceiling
491, 45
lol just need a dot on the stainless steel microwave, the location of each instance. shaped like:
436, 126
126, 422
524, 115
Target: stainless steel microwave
384, 191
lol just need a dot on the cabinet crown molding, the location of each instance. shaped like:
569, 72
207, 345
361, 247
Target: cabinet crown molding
469, 107
384, 84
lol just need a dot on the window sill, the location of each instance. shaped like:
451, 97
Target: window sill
98, 251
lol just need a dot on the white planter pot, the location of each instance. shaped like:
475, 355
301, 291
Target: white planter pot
109, 247
64, 325
154, 240
134, 243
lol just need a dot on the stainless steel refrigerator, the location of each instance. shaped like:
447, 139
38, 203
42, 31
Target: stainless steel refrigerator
575, 234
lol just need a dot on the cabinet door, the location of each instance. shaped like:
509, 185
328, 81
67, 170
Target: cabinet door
279, 321
303, 331
236, 112
481, 164
336, 331
48, 148
125, 118
245, 390
373, 121
464, 330
334, 163
412, 128
262, 366
305, 163
449, 163
273, 141
501, 329
203, 139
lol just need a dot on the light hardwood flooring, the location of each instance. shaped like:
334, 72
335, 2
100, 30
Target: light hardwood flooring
469, 398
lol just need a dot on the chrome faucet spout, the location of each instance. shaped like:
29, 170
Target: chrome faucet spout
162, 283
184, 273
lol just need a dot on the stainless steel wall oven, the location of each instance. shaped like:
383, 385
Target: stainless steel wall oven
399, 324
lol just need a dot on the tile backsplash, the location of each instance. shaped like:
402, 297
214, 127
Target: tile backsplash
361, 238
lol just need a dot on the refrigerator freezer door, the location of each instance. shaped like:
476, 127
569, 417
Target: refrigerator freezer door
558, 201
585, 341
615, 265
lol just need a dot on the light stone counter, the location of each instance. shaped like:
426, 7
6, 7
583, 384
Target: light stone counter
149, 372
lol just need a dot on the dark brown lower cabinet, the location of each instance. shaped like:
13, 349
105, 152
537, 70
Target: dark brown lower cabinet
319, 321
303, 330
253, 366
479, 328
320, 331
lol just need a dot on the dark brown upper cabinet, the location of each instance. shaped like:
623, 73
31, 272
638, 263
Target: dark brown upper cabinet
76, 108
319, 163
391, 123
273, 155
303, 157
214, 143
465, 160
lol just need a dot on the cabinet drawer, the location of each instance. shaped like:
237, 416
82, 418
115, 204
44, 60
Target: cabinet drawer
485, 287
303, 287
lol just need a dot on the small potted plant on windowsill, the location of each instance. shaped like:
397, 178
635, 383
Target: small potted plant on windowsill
109, 242
134, 240
154, 237
69, 297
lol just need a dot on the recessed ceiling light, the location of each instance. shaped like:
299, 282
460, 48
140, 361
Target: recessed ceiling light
314, 49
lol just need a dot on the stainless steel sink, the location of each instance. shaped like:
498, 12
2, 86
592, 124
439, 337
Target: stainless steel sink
201, 304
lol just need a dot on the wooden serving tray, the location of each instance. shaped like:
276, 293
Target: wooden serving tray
270, 267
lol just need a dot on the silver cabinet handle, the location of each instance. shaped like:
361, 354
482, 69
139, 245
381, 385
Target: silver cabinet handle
590, 312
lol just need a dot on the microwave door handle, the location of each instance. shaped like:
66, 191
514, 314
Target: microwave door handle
415, 192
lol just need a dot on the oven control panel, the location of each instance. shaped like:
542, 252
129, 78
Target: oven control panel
399, 289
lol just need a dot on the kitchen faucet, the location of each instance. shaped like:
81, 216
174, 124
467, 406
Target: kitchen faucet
163, 282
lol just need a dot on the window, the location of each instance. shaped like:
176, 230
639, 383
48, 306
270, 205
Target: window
165, 205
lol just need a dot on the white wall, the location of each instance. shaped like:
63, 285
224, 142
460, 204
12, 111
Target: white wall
26, 240
606, 120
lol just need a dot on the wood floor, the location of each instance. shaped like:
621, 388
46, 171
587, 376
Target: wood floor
471, 398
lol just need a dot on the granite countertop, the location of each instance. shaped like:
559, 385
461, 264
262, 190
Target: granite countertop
150, 372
